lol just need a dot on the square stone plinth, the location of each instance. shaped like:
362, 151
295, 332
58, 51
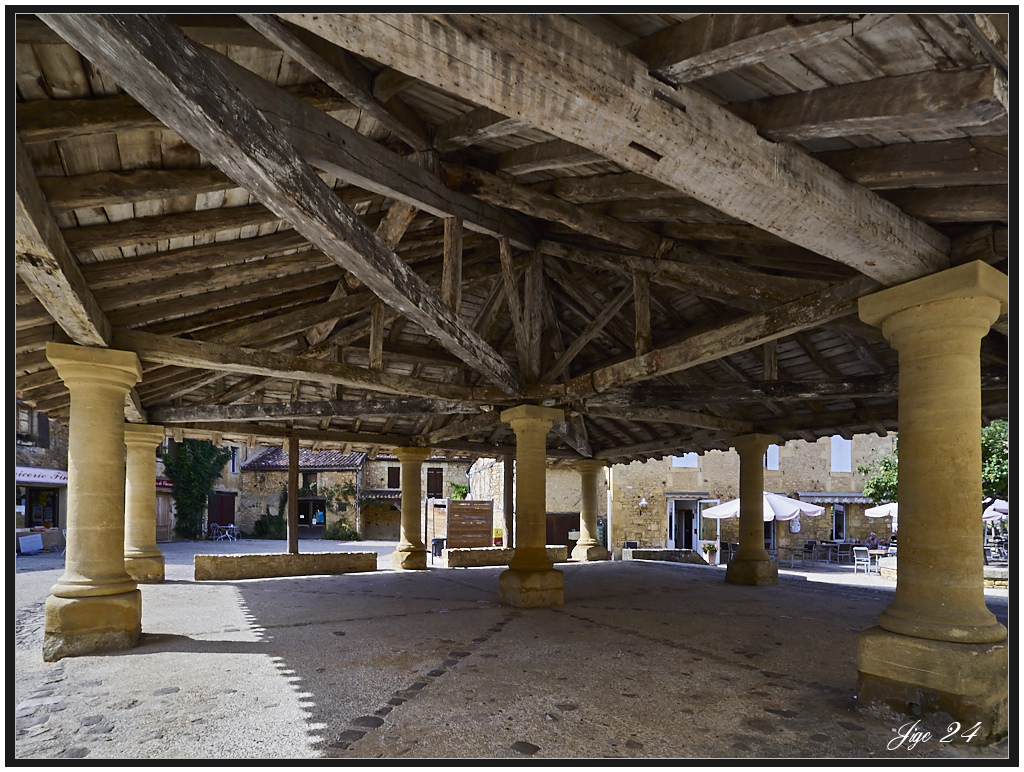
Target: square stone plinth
145, 570
752, 572
594, 552
531, 589
414, 559
89, 625
917, 676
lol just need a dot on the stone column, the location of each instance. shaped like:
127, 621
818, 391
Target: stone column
508, 495
937, 647
752, 565
588, 548
143, 560
95, 606
411, 552
530, 580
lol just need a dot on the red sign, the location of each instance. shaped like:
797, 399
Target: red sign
163, 484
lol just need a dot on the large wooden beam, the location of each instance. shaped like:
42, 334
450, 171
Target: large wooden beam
475, 126
711, 344
117, 188
709, 44
927, 101
155, 62
44, 262
595, 326
605, 99
264, 432
46, 265
329, 144
233, 359
344, 73
289, 410
944, 163
669, 415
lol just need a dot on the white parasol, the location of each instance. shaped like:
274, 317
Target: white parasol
776, 507
997, 510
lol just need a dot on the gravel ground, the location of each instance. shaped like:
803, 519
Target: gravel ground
644, 661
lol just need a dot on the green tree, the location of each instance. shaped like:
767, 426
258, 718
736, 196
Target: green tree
995, 459
883, 475
193, 470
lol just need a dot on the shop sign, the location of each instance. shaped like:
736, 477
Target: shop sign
163, 484
39, 476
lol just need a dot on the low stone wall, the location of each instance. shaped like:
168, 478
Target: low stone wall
474, 557
994, 576
282, 564
675, 556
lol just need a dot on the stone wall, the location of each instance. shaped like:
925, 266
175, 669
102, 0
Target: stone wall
55, 456
261, 566
474, 557
261, 492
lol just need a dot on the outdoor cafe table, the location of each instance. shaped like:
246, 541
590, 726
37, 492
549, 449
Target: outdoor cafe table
874, 555
794, 553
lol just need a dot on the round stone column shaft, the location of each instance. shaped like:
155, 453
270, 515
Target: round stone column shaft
588, 547
411, 552
752, 565
95, 606
142, 558
531, 581
937, 647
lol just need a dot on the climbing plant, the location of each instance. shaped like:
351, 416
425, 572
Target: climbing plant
995, 459
883, 476
458, 491
193, 471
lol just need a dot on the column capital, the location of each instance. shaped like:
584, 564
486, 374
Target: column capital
412, 454
519, 413
754, 442
143, 434
971, 280
85, 363
590, 465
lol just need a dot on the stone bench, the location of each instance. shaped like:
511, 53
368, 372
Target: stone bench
263, 566
674, 556
475, 557
994, 576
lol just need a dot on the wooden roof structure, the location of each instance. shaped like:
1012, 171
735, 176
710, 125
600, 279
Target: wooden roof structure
373, 230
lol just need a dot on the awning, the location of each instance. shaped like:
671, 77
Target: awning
35, 475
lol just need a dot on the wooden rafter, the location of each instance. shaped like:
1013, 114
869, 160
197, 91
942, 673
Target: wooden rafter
153, 61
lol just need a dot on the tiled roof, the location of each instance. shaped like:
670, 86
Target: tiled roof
382, 494
275, 458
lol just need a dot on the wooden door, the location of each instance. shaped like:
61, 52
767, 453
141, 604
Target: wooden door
221, 508
164, 519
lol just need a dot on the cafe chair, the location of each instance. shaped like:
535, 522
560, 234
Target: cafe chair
861, 557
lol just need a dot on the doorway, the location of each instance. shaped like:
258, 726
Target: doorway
686, 528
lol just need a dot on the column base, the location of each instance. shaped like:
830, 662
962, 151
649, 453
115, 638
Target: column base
412, 559
148, 569
589, 552
909, 676
78, 626
531, 589
752, 572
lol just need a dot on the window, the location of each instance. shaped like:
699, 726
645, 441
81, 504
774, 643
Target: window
309, 481
686, 461
394, 477
32, 428
842, 454
233, 460
771, 458
24, 419
435, 483
838, 522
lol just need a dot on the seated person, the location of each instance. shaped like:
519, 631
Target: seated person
872, 541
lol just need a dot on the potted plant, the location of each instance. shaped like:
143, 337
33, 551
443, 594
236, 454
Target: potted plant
710, 549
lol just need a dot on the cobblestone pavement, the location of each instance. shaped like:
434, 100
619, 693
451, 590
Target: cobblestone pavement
644, 661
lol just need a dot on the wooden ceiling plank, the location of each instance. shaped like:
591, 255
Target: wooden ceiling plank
158, 65
675, 136
108, 188
545, 156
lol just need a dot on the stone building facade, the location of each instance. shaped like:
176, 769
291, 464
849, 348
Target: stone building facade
657, 503
41, 464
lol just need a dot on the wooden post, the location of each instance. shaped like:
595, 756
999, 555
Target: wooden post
293, 495
509, 499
